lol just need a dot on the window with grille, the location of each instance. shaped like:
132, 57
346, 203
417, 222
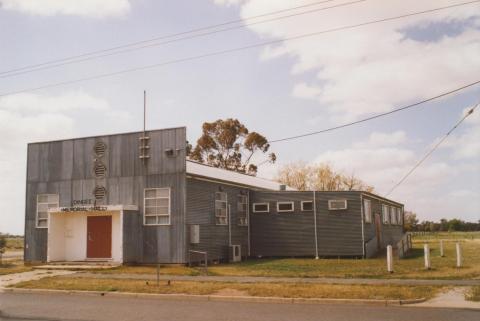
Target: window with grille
261, 207
242, 205
157, 206
385, 214
221, 217
367, 211
307, 206
44, 202
285, 207
337, 204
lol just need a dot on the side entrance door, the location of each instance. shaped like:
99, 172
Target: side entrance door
99, 237
378, 230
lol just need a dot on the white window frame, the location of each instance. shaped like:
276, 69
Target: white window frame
337, 209
48, 203
367, 210
399, 216
393, 215
245, 197
226, 209
385, 214
157, 215
255, 211
302, 206
285, 211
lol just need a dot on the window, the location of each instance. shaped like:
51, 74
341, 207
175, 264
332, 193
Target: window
399, 216
385, 214
157, 206
367, 211
44, 202
261, 207
307, 206
285, 207
221, 208
337, 204
242, 210
393, 215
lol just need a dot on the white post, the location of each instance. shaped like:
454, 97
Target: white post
459, 255
442, 254
426, 250
389, 259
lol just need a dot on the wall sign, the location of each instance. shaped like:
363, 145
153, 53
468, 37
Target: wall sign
86, 205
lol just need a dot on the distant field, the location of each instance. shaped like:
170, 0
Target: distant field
446, 235
14, 243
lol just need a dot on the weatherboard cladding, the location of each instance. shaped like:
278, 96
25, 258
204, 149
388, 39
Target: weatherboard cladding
292, 233
66, 168
201, 210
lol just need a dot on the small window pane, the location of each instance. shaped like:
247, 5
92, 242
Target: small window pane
53, 198
260, 207
150, 220
220, 196
42, 207
162, 192
42, 215
150, 193
307, 206
150, 202
42, 223
163, 219
162, 210
162, 202
43, 198
285, 207
151, 210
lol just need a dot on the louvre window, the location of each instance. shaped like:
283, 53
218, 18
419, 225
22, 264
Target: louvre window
100, 192
100, 149
307, 206
44, 202
385, 214
221, 217
100, 169
157, 206
261, 207
337, 204
285, 207
242, 205
367, 211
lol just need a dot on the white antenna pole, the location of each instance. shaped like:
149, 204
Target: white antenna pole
144, 110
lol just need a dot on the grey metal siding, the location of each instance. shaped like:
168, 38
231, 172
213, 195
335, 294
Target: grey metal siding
214, 239
66, 168
290, 234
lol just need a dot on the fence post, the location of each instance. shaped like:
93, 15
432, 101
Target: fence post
459, 255
389, 259
442, 254
426, 250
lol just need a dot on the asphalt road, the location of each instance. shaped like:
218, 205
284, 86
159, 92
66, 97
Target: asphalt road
14, 306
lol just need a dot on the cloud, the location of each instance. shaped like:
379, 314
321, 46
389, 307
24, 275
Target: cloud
374, 68
83, 8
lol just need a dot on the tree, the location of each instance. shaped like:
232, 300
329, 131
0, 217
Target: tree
320, 177
410, 221
228, 144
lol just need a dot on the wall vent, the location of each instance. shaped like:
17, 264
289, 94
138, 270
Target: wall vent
100, 149
100, 169
99, 193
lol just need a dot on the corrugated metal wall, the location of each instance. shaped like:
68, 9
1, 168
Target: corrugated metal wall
292, 234
66, 168
201, 210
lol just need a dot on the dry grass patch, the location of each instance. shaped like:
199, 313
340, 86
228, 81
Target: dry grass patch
473, 294
11, 267
164, 270
254, 289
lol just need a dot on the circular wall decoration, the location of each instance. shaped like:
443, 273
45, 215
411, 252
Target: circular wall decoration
99, 193
100, 149
100, 169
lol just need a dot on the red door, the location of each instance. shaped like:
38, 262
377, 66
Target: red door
99, 237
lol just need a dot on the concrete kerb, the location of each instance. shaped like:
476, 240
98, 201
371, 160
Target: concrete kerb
221, 297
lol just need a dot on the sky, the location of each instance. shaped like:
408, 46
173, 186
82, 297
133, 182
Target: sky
283, 89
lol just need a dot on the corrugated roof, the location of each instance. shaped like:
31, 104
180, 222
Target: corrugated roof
206, 171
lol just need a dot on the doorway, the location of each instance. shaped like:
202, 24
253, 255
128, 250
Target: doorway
99, 237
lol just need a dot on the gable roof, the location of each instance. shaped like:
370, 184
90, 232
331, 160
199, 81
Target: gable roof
215, 173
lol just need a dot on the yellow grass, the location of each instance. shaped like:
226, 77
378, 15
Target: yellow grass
10, 267
473, 294
255, 289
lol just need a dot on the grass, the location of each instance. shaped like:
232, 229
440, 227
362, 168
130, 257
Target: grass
11, 267
473, 294
446, 235
14, 243
411, 267
393, 292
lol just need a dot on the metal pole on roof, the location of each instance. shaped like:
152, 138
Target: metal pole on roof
315, 223
144, 111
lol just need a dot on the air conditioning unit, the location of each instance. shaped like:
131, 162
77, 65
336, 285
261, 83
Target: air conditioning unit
235, 253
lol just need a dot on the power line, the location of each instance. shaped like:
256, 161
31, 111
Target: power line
131, 44
378, 115
226, 51
156, 44
432, 150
